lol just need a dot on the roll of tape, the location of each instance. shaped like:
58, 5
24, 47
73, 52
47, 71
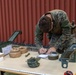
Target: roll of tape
53, 56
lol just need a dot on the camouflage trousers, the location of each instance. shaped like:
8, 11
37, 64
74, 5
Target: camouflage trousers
65, 45
10, 73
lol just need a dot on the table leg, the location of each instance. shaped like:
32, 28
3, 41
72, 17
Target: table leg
2, 73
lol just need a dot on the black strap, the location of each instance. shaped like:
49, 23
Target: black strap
47, 13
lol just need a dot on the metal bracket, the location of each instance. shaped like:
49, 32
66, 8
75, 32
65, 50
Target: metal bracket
64, 63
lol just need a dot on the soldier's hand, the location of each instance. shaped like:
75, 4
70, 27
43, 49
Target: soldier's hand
42, 50
52, 49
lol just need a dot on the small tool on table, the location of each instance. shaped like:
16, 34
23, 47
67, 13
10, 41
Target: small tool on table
27, 55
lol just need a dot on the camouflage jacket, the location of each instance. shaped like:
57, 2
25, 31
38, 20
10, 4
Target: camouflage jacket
61, 26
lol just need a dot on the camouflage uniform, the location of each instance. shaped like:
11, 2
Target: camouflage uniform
60, 37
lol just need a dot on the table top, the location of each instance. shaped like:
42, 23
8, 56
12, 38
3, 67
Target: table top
47, 67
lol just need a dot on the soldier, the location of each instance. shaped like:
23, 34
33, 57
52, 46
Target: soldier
56, 24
